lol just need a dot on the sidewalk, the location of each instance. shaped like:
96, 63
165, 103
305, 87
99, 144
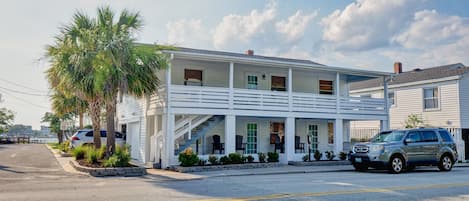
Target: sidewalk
287, 169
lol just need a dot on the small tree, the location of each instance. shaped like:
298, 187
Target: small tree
6, 119
413, 121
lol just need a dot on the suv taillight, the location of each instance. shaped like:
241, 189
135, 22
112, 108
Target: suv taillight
75, 138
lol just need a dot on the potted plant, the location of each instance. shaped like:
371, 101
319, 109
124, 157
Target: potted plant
317, 155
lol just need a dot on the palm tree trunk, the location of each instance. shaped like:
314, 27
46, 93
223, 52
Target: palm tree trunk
110, 118
60, 137
80, 117
95, 113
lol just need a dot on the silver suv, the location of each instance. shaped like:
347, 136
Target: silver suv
400, 150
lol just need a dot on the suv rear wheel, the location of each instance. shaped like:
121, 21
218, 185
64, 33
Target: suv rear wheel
396, 165
445, 163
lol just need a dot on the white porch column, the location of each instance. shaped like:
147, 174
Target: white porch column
338, 136
231, 86
385, 123
289, 140
168, 123
337, 92
230, 134
290, 89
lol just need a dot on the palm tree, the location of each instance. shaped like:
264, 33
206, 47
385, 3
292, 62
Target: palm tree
123, 66
54, 123
63, 104
72, 69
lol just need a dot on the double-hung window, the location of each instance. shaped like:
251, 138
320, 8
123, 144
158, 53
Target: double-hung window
392, 98
431, 98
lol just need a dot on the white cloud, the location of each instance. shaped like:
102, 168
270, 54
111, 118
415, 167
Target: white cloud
430, 28
294, 27
186, 32
241, 29
366, 24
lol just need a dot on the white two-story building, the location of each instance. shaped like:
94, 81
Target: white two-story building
220, 103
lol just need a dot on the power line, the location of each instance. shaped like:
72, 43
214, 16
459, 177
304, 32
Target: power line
22, 92
20, 85
25, 101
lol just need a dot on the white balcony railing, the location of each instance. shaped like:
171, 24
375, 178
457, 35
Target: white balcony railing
244, 99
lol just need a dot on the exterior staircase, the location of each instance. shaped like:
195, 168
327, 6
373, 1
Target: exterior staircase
200, 125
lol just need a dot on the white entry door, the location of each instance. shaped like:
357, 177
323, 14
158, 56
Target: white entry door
133, 136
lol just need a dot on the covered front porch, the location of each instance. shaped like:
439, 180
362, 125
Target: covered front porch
291, 137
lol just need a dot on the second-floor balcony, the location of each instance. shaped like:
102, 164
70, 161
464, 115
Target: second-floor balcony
202, 97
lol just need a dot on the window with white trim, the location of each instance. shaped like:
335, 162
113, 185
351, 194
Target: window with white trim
252, 82
330, 132
431, 98
392, 98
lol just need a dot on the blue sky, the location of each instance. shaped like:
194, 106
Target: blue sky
366, 34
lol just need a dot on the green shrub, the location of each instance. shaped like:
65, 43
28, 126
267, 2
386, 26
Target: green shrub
91, 155
213, 160
272, 157
120, 158
79, 152
262, 157
306, 158
111, 161
187, 158
64, 146
201, 162
225, 160
250, 159
102, 152
317, 155
236, 158
330, 155
343, 155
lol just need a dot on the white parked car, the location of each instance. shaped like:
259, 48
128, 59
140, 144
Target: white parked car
85, 137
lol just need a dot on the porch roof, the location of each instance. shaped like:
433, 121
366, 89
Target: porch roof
211, 55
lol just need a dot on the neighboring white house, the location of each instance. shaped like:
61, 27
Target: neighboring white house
252, 103
439, 95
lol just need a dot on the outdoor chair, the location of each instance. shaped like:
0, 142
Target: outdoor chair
240, 146
278, 144
217, 145
299, 145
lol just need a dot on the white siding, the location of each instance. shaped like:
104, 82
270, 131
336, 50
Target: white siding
464, 100
409, 100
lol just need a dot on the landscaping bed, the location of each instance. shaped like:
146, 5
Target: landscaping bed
112, 171
224, 167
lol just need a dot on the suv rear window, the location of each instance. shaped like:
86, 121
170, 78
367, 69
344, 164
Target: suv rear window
445, 136
103, 134
429, 136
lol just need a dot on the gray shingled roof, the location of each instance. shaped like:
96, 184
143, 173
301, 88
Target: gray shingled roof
414, 76
221, 53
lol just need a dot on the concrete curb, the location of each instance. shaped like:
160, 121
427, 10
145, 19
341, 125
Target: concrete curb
102, 172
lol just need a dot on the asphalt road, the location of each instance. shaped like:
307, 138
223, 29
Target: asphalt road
30, 172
